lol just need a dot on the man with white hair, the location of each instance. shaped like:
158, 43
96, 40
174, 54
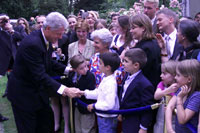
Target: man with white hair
29, 82
150, 9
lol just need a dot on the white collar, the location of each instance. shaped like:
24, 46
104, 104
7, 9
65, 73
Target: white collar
134, 75
45, 40
171, 35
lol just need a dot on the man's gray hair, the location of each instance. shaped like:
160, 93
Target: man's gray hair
55, 20
104, 35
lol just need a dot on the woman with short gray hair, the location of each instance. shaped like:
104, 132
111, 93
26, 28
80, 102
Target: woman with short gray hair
105, 37
102, 39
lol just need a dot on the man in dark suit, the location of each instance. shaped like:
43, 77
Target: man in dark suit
6, 54
29, 80
5, 57
6, 43
167, 21
137, 91
9, 38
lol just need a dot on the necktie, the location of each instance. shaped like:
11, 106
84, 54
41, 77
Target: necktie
168, 46
47, 44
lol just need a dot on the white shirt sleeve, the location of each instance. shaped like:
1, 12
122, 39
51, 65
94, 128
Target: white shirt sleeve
91, 94
61, 89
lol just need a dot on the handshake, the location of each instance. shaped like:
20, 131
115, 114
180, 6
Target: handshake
72, 92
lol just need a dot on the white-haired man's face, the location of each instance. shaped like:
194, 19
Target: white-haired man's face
53, 35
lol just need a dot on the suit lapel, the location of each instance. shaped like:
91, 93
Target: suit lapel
131, 87
47, 53
177, 49
129, 90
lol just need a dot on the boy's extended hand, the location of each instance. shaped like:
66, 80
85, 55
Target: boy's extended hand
81, 93
90, 107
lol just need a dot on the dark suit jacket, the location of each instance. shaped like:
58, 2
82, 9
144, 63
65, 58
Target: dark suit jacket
155, 27
17, 37
85, 82
30, 76
139, 93
63, 44
5, 51
152, 69
177, 49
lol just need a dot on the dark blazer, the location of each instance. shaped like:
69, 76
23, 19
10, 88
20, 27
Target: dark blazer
85, 82
152, 69
63, 44
30, 76
5, 51
155, 27
191, 52
139, 93
17, 37
177, 49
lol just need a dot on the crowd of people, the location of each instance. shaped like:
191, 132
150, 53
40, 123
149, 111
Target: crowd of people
132, 62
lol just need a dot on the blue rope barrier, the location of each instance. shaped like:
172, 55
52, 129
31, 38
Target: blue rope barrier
58, 77
191, 127
125, 111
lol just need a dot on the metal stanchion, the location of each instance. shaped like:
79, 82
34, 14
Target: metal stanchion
71, 116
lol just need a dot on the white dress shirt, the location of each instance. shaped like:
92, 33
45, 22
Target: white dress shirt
171, 41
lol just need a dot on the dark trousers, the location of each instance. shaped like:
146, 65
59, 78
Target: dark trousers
130, 124
40, 121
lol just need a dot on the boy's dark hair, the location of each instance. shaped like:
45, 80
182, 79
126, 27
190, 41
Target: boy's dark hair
137, 55
76, 60
111, 59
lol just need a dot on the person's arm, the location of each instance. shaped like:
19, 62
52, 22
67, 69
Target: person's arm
160, 93
91, 94
184, 115
161, 43
147, 98
32, 55
168, 114
199, 124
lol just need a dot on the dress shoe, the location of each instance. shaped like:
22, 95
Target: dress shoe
2, 119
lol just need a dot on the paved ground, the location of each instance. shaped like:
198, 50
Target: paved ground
1, 128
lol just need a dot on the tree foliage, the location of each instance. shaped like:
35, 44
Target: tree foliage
87, 5
27, 8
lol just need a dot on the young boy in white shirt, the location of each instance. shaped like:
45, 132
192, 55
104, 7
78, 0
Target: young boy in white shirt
106, 93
